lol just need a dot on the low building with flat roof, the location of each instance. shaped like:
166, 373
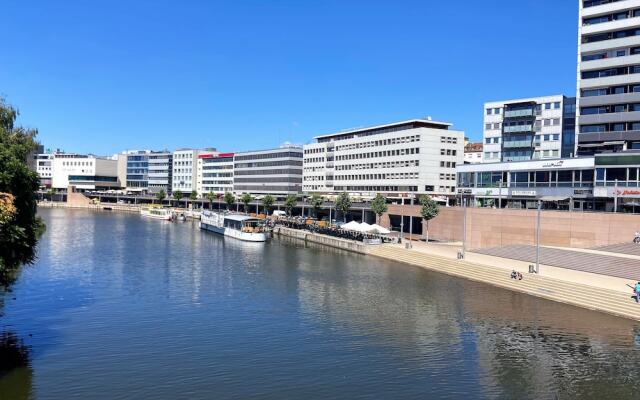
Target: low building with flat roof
85, 172
604, 182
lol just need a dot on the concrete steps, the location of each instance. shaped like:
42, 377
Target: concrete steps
604, 300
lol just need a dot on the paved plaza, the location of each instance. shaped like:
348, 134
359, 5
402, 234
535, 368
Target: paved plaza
611, 265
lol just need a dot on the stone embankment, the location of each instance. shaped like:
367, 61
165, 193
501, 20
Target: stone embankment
95, 207
326, 240
585, 296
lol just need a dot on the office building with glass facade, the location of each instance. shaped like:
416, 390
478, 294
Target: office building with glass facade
529, 129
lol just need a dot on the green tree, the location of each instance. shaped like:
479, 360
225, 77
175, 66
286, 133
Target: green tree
177, 195
211, 196
246, 200
161, 195
316, 202
20, 232
193, 196
230, 199
428, 211
379, 206
343, 204
267, 202
290, 202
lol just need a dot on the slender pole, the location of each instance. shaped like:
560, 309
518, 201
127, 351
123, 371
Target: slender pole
410, 223
363, 215
615, 197
402, 219
464, 224
538, 238
500, 194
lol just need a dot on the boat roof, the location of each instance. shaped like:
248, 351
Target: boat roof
241, 218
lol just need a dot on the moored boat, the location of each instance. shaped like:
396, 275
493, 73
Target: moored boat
239, 226
156, 213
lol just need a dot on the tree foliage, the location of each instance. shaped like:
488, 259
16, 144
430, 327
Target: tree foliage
161, 195
290, 202
316, 202
429, 210
379, 205
246, 200
211, 196
267, 202
343, 204
177, 195
20, 227
230, 199
193, 196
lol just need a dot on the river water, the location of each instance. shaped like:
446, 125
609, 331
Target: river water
120, 307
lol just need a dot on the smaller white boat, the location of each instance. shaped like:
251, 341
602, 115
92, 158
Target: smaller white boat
239, 226
156, 213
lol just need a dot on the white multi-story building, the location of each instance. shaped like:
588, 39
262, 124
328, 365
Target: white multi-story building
184, 170
608, 76
214, 173
85, 172
44, 168
160, 171
417, 156
529, 129
275, 171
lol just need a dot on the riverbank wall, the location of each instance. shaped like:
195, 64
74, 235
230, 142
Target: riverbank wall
594, 298
94, 207
326, 240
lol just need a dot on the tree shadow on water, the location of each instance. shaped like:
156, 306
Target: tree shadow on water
15, 367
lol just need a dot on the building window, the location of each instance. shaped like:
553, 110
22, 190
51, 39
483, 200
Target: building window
489, 110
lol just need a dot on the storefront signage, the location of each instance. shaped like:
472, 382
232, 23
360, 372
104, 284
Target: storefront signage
582, 192
523, 193
555, 164
626, 192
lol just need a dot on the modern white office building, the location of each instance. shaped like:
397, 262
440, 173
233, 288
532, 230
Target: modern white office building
608, 76
529, 129
44, 168
160, 171
214, 173
184, 170
417, 156
85, 172
275, 171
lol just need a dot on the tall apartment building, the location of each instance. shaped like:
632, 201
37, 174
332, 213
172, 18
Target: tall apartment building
608, 76
85, 172
184, 170
417, 156
214, 173
276, 171
529, 129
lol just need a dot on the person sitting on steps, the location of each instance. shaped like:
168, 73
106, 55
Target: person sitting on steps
637, 292
514, 274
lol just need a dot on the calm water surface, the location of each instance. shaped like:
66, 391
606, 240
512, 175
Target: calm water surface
119, 307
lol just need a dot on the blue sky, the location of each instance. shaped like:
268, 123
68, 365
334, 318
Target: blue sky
105, 76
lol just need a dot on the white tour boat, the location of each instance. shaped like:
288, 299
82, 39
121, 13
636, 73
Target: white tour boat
156, 213
238, 226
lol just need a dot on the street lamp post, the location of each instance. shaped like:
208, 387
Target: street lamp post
402, 219
410, 223
615, 197
464, 224
538, 238
500, 194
